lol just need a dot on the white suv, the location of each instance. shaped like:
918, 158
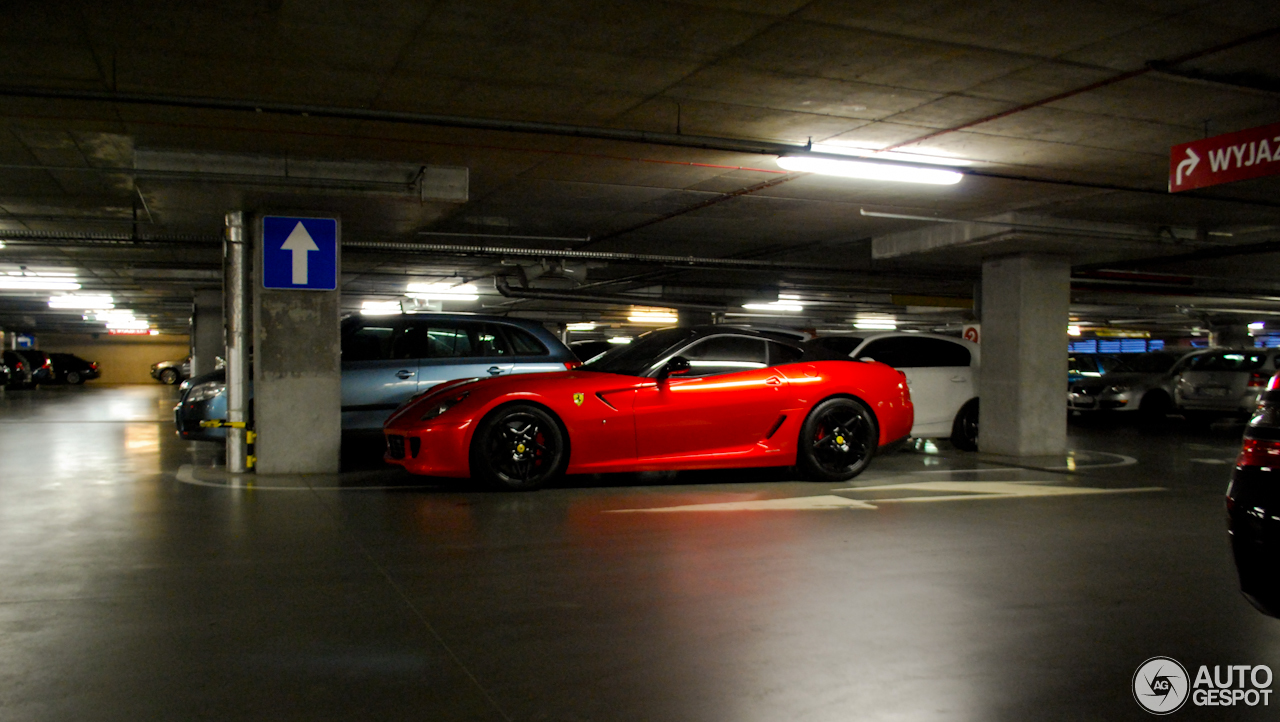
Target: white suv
942, 373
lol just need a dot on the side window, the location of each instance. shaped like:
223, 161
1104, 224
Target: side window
433, 340
780, 353
725, 354
524, 343
907, 352
839, 344
368, 343
491, 342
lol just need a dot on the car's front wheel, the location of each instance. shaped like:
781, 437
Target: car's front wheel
837, 440
518, 448
169, 377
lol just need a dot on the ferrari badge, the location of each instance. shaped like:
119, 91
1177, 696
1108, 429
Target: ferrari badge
578, 398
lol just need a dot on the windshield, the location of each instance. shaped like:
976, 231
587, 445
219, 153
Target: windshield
1147, 363
636, 357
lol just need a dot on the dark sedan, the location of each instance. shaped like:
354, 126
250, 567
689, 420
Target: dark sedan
69, 368
1253, 505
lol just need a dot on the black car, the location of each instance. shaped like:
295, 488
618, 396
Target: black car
1253, 505
69, 368
587, 350
20, 371
40, 364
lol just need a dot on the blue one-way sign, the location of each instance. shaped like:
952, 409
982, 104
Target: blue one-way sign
300, 253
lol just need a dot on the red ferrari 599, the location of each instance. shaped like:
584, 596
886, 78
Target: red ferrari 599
711, 397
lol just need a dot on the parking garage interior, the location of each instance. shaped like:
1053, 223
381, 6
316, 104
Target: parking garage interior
603, 170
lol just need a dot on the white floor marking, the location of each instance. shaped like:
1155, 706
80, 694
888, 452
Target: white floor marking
1212, 461
792, 504
960, 491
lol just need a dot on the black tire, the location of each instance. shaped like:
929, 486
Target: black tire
964, 430
1154, 405
837, 440
73, 378
169, 377
519, 447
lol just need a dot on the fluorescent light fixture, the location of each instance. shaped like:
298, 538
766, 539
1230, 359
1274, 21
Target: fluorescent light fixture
37, 283
380, 308
1, 244
443, 291
1073, 330
869, 170
1257, 325
584, 326
928, 156
82, 302
620, 339
876, 323
786, 302
652, 315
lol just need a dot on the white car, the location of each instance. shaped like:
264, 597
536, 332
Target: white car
942, 373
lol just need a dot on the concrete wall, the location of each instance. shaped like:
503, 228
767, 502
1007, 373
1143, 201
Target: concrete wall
121, 359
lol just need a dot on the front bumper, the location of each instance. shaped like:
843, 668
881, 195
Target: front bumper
1253, 521
437, 450
187, 418
1077, 401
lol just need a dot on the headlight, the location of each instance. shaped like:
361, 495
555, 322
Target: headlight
440, 407
184, 385
1117, 389
205, 391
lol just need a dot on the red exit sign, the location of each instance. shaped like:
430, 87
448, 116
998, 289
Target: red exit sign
1238, 156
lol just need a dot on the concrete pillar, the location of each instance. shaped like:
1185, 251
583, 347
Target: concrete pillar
1023, 380
207, 339
1230, 336
297, 378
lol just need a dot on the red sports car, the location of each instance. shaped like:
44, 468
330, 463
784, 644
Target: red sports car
709, 397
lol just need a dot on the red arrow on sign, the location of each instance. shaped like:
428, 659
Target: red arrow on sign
1238, 156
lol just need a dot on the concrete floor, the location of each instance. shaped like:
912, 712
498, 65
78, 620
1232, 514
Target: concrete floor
137, 583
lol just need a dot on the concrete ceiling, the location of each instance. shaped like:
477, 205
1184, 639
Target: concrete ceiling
84, 88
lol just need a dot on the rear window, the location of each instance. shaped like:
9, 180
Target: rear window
1147, 363
839, 344
1229, 361
907, 352
524, 343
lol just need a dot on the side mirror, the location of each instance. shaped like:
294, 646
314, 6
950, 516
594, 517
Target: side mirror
677, 366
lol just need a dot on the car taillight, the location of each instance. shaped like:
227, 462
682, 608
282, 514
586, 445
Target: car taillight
93, 365
1258, 379
48, 364
19, 366
1259, 452
571, 365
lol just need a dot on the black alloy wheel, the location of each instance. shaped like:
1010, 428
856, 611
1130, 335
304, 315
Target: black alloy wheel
73, 377
518, 448
169, 377
964, 431
837, 440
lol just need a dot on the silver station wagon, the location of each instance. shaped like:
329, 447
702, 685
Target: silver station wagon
1226, 381
387, 360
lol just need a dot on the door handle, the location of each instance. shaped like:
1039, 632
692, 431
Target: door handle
773, 381
494, 370
404, 374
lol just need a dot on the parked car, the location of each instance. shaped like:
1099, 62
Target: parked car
21, 374
1253, 505
40, 364
386, 360
1142, 382
4, 374
1090, 365
171, 372
1223, 381
69, 368
587, 350
942, 373
704, 397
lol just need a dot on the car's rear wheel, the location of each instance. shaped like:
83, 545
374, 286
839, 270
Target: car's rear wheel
518, 448
1154, 405
837, 440
964, 430
169, 377
73, 377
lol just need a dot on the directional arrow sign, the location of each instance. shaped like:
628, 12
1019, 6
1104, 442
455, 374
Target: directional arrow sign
300, 253
1238, 156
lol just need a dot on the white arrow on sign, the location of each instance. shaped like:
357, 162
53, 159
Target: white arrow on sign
1190, 164
299, 243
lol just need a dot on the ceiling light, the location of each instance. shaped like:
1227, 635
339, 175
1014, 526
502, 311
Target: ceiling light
37, 283
926, 156
584, 326
1257, 325
652, 315
620, 339
1073, 330
443, 291
82, 302
380, 308
876, 323
869, 170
